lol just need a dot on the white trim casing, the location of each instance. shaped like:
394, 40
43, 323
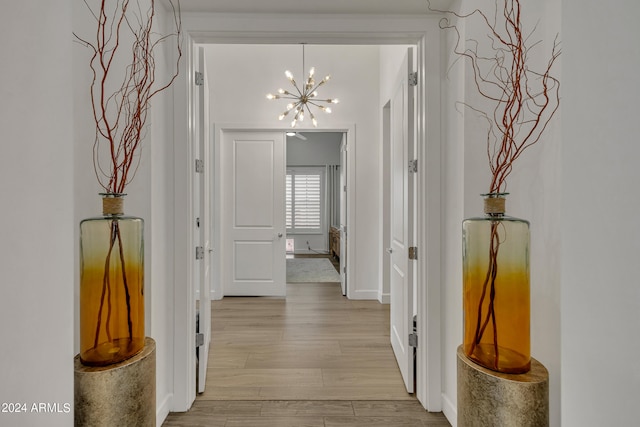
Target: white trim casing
329, 29
220, 129
184, 367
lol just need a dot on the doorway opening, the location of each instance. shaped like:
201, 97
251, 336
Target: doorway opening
429, 69
316, 203
247, 146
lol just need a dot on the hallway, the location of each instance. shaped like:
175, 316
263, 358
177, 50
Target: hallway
315, 345
315, 359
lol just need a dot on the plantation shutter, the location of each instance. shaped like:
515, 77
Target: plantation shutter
289, 202
304, 200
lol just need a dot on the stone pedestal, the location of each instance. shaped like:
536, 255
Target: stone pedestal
123, 394
488, 398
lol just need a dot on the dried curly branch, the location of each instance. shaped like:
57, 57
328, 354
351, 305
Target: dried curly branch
524, 100
121, 96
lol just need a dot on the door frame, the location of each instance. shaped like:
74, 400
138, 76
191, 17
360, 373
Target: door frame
422, 31
220, 129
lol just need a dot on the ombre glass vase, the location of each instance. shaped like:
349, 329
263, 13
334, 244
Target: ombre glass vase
111, 285
496, 295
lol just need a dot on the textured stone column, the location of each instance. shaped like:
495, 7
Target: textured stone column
123, 394
488, 398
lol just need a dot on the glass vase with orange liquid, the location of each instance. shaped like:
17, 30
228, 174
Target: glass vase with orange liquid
496, 295
111, 285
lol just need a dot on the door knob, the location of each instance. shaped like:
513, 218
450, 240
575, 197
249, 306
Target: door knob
280, 235
389, 250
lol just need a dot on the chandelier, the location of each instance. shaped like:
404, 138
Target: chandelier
304, 97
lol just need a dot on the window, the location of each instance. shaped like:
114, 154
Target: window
305, 200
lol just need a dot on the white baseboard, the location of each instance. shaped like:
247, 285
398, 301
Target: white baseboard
364, 295
449, 410
384, 298
162, 411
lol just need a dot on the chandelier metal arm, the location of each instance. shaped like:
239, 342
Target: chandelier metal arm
317, 86
316, 105
293, 82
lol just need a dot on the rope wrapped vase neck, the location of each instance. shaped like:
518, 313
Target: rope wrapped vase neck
494, 203
112, 203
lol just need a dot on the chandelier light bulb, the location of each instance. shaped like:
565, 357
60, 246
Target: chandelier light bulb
283, 115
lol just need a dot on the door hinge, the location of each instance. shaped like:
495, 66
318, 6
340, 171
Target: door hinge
413, 79
199, 339
199, 166
199, 252
413, 340
413, 252
199, 78
413, 166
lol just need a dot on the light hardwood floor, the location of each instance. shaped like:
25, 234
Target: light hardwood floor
312, 359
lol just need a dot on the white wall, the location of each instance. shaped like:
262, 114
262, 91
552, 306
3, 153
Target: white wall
160, 228
36, 183
48, 180
453, 206
535, 194
241, 76
319, 149
600, 301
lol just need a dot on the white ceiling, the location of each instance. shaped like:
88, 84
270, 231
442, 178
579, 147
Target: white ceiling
377, 7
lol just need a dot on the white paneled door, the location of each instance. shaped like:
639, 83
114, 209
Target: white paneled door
202, 220
253, 259
401, 209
